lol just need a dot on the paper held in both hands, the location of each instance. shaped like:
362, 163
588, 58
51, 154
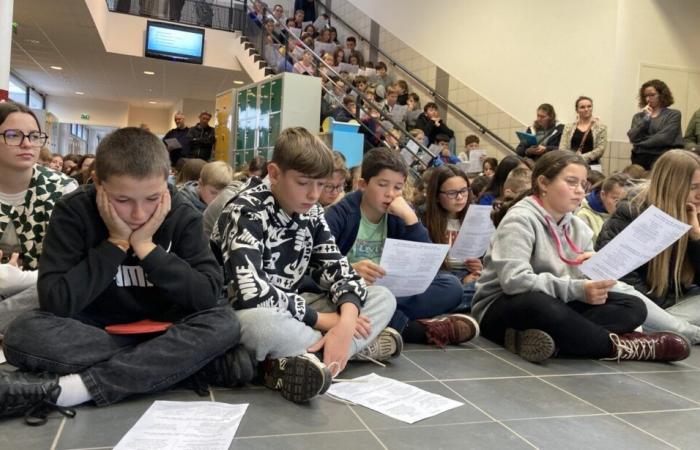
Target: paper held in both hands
410, 266
643, 239
184, 425
475, 234
393, 398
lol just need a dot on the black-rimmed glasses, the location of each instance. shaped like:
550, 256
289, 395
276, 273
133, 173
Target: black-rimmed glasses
454, 194
16, 137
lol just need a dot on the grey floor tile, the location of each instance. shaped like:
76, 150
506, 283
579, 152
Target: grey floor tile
645, 366
465, 413
600, 432
269, 414
398, 368
679, 428
686, 384
103, 427
482, 342
463, 364
693, 360
337, 441
555, 366
518, 398
482, 435
15, 434
620, 393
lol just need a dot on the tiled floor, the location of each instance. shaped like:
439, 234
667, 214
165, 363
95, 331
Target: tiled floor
508, 403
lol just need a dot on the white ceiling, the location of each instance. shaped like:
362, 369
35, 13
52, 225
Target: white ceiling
62, 33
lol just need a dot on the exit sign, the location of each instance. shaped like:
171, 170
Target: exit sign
85, 116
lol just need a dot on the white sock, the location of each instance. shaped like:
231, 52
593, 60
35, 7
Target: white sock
73, 391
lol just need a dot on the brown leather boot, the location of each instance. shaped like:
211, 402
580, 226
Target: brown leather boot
661, 346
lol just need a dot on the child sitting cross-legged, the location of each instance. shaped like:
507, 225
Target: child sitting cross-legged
272, 234
364, 219
122, 250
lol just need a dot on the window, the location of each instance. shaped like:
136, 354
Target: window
36, 100
18, 90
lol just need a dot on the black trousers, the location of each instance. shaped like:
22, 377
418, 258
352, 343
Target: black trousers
645, 160
578, 329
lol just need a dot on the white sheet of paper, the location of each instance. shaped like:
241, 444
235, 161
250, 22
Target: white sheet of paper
173, 143
647, 236
407, 156
295, 31
475, 234
597, 167
395, 399
349, 68
410, 266
475, 164
184, 425
324, 47
2, 357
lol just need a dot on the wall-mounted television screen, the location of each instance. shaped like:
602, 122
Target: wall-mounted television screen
174, 42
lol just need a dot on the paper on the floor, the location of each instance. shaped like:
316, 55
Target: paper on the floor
395, 399
410, 266
184, 425
2, 357
647, 236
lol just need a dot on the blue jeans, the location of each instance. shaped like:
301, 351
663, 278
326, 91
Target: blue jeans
116, 366
468, 290
443, 296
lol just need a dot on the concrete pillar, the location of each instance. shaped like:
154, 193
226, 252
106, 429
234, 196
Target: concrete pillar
5, 46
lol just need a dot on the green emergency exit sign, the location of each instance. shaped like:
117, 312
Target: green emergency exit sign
85, 116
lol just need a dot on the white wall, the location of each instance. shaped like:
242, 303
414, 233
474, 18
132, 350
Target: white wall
158, 120
102, 112
519, 55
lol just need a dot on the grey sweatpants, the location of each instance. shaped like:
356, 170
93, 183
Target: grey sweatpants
266, 332
13, 306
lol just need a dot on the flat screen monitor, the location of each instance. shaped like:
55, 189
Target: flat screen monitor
174, 42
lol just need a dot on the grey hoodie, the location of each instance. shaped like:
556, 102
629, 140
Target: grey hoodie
523, 257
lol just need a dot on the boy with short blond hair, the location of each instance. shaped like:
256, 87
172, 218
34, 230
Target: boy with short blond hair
124, 250
273, 234
213, 178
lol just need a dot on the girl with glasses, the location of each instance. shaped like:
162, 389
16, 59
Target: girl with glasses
28, 194
532, 296
447, 199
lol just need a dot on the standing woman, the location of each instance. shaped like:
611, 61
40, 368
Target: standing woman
447, 199
28, 193
656, 128
672, 278
533, 298
587, 136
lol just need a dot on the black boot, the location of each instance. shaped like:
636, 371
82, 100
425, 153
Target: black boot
32, 395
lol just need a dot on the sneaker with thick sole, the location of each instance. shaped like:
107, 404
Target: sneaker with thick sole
660, 346
388, 344
32, 395
531, 345
450, 329
298, 378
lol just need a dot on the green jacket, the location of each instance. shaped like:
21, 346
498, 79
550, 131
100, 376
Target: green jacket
691, 138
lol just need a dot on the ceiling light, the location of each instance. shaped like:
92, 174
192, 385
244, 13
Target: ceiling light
152, 102
32, 41
237, 82
148, 72
57, 67
79, 92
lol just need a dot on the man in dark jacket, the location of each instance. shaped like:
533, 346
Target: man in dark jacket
179, 134
201, 139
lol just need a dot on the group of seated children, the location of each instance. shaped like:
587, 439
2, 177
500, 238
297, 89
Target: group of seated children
284, 292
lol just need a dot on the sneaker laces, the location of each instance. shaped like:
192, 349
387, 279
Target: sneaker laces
365, 357
638, 348
37, 414
438, 332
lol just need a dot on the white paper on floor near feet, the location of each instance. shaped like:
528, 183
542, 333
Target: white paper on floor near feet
647, 236
475, 234
393, 398
410, 266
184, 425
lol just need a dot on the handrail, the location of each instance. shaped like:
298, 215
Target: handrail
481, 127
360, 94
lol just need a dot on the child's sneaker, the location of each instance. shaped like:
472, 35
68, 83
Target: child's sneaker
388, 344
450, 329
531, 345
298, 378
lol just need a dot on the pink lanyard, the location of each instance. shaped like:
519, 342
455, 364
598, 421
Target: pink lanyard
553, 234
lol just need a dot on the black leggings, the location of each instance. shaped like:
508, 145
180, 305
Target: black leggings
578, 329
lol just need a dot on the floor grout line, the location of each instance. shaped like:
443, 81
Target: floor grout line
591, 404
474, 405
58, 434
666, 390
368, 428
354, 430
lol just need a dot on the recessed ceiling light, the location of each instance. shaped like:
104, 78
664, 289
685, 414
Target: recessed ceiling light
237, 82
148, 72
31, 41
152, 102
79, 92
57, 67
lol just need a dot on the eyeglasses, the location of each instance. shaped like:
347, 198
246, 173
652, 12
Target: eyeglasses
454, 194
573, 183
16, 137
330, 188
